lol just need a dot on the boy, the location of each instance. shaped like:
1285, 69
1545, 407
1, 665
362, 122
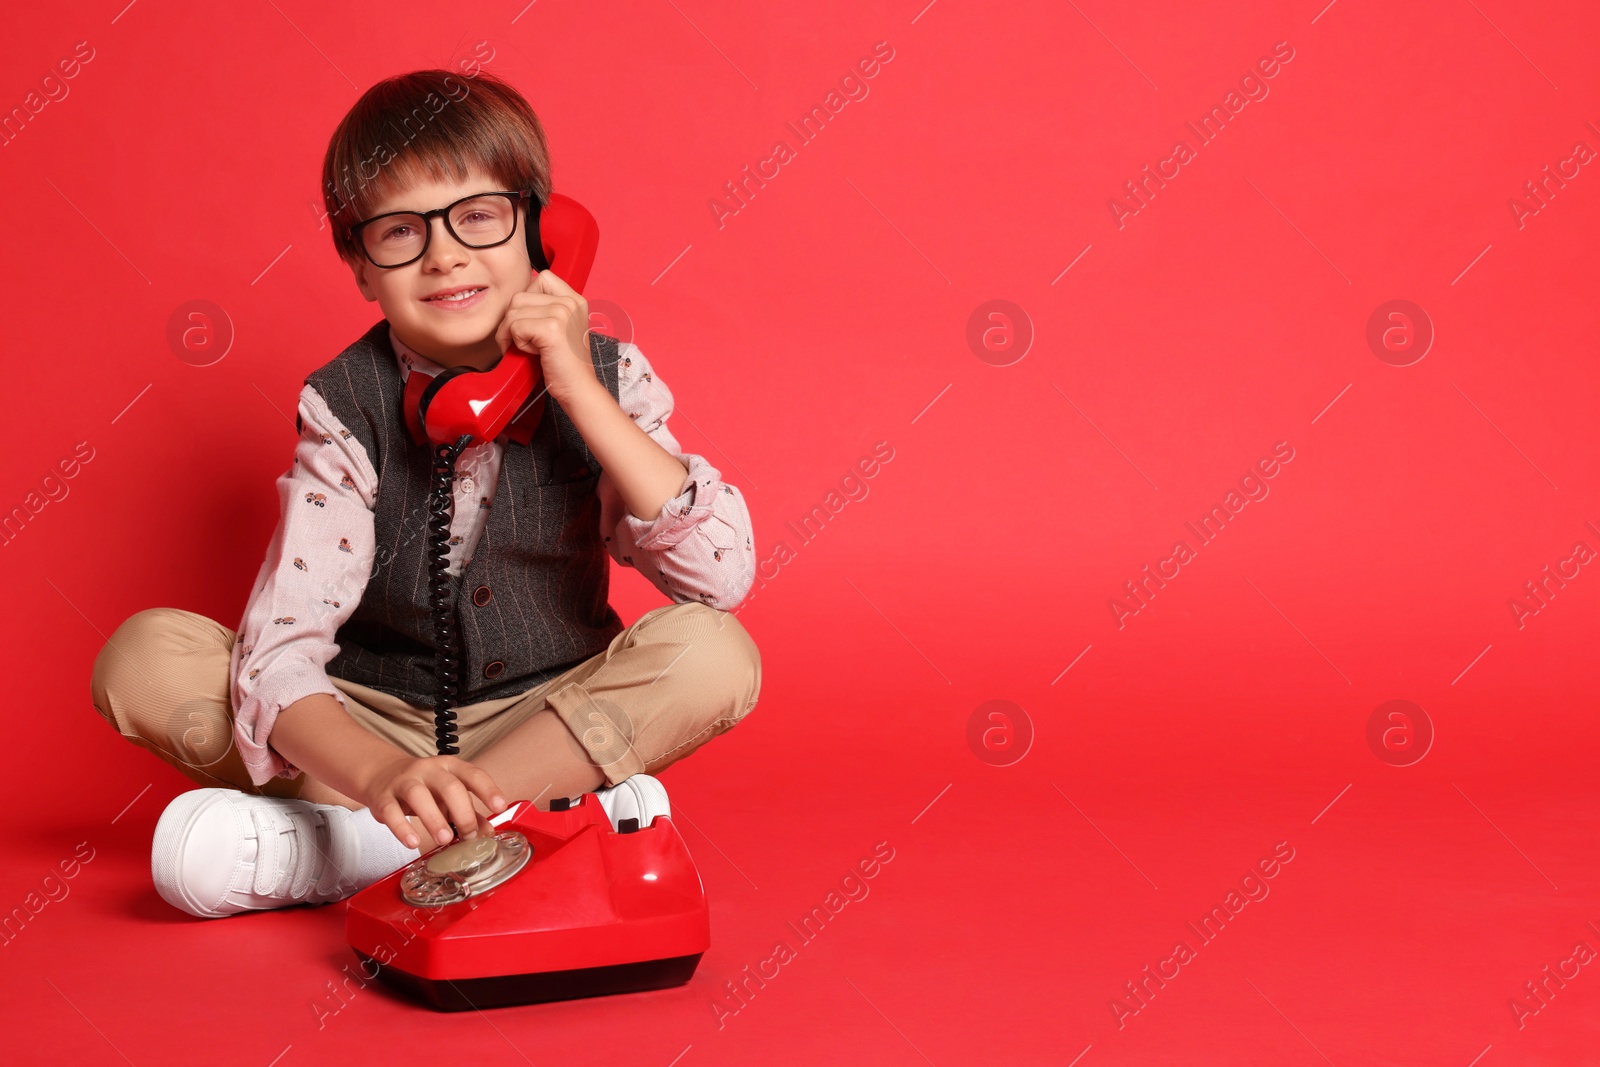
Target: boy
313, 726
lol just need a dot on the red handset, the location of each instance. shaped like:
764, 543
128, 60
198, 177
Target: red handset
562, 237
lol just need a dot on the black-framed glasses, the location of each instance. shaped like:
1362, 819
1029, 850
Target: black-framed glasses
398, 238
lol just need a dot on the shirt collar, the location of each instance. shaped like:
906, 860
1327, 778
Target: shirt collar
407, 358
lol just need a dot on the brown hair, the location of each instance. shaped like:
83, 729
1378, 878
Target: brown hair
429, 124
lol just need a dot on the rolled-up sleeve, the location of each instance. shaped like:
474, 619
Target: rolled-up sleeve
700, 547
315, 571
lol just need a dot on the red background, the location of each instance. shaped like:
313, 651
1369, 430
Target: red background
831, 313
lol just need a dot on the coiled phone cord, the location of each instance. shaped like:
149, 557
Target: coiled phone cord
442, 591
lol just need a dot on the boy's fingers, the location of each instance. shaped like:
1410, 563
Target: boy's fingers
502, 336
420, 798
479, 781
519, 336
462, 814
549, 281
395, 819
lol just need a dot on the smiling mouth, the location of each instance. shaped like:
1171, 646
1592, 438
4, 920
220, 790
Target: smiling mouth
465, 294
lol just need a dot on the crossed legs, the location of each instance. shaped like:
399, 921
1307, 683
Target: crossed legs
679, 676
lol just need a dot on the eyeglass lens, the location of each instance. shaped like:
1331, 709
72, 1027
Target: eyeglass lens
479, 223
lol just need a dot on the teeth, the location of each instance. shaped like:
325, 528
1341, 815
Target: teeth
458, 296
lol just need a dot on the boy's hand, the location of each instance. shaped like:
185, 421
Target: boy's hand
550, 320
418, 786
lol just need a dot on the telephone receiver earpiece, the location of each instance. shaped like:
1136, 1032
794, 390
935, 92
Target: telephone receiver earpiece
562, 237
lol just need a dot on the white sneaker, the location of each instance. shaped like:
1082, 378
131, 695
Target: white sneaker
640, 796
218, 852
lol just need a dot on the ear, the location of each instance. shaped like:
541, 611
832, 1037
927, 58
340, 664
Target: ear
362, 271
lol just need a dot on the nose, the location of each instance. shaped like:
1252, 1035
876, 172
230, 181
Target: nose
442, 253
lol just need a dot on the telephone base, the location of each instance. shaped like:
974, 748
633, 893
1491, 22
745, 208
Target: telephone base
462, 994
558, 905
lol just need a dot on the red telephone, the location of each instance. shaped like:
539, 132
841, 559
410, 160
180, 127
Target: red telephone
557, 905
562, 237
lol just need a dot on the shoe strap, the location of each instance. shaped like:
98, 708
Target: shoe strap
307, 860
269, 851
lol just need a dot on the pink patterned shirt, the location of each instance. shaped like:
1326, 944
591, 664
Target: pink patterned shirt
698, 548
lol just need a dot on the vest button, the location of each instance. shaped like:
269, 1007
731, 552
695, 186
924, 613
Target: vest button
493, 668
481, 596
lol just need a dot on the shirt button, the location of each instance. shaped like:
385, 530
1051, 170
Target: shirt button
493, 668
466, 487
481, 596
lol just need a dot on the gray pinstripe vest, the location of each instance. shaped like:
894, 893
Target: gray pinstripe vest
531, 603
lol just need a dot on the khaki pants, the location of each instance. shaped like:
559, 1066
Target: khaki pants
676, 678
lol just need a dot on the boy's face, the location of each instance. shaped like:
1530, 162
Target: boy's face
450, 335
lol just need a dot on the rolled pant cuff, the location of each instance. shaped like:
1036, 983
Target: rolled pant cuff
603, 728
